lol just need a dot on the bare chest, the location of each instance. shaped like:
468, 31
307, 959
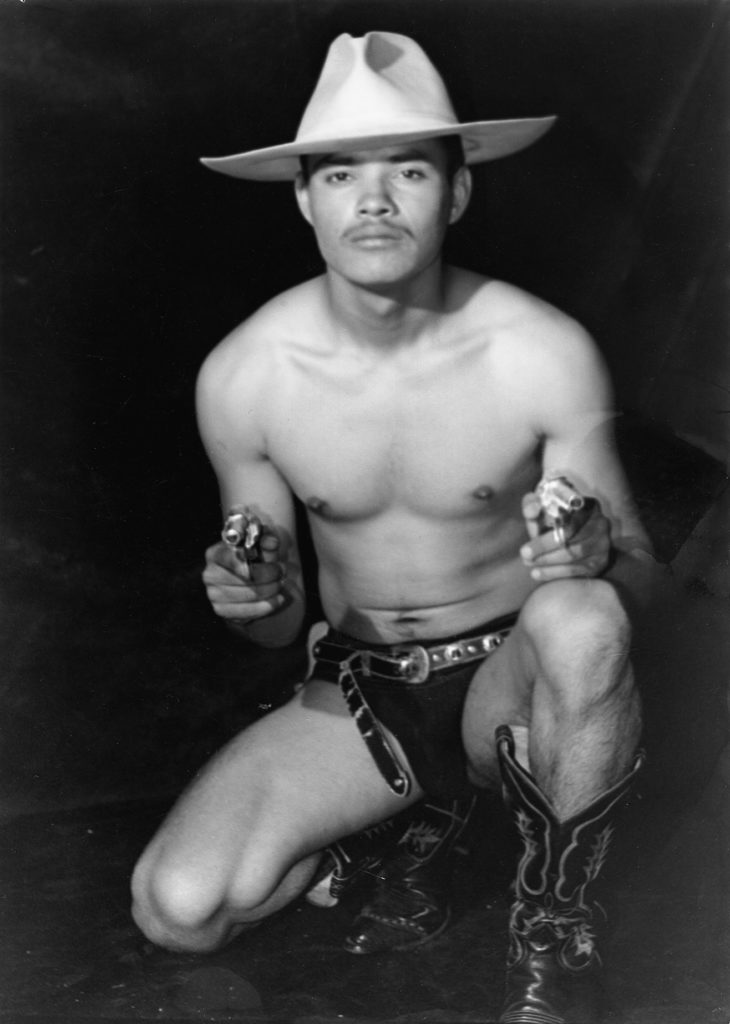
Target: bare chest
433, 444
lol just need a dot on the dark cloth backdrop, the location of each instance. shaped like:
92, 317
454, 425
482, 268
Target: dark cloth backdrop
124, 262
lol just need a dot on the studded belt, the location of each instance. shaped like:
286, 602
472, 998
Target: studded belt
413, 663
405, 663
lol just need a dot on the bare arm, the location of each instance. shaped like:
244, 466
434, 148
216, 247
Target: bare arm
575, 420
263, 601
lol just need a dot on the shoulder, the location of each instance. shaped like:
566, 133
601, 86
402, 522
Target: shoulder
528, 334
516, 315
546, 361
234, 394
246, 357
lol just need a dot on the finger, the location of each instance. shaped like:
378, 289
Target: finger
220, 554
255, 610
584, 570
244, 579
241, 596
218, 576
530, 505
242, 567
573, 551
266, 572
538, 547
223, 558
531, 511
253, 570
590, 537
212, 552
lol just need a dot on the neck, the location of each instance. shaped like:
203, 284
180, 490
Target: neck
388, 317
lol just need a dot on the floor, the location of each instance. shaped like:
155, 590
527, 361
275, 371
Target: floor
71, 952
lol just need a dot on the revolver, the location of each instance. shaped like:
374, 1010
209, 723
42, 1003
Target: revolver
242, 531
563, 509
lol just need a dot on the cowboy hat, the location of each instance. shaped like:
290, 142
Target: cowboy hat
380, 89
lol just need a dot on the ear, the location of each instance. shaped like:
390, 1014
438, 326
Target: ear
301, 190
460, 193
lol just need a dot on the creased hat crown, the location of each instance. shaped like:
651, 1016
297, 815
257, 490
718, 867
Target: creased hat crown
378, 84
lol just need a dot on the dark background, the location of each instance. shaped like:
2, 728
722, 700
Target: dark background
125, 261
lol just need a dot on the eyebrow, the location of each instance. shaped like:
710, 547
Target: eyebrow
402, 156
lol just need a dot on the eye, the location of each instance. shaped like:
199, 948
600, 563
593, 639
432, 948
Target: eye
412, 173
338, 177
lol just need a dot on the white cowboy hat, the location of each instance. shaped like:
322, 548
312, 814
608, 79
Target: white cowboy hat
380, 89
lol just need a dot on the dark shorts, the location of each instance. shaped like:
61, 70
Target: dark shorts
424, 717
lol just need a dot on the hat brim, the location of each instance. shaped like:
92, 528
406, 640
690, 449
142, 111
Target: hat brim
483, 140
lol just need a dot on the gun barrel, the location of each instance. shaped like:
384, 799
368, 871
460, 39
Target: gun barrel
232, 537
242, 531
558, 493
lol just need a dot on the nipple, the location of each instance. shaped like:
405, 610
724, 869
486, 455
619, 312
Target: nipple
317, 505
484, 493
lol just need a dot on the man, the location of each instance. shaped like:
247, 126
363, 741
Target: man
413, 407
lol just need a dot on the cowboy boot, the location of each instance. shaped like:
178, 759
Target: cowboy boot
411, 902
553, 965
351, 862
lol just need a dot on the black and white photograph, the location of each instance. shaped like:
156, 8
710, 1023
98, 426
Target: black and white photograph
365, 511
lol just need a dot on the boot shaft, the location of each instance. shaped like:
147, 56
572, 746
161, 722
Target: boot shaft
554, 968
560, 859
424, 834
434, 829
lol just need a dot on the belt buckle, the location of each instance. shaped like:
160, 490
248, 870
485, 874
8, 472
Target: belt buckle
413, 661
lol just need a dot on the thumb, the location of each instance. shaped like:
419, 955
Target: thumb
531, 509
243, 569
270, 545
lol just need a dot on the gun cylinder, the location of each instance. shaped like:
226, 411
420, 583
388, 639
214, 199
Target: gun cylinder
566, 495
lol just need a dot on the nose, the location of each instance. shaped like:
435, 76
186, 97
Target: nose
376, 200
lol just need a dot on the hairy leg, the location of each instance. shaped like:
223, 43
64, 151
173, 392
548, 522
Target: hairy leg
243, 840
564, 672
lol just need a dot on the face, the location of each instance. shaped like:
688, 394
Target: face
380, 215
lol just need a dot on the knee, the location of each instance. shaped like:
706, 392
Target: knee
577, 623
191, 908
171, 908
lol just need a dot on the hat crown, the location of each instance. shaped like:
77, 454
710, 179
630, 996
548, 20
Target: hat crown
377, 84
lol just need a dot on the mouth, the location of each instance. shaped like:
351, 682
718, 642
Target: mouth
374, 237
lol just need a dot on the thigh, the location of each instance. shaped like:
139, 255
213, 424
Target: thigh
287, 786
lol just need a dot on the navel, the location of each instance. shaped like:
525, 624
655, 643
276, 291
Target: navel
483, 493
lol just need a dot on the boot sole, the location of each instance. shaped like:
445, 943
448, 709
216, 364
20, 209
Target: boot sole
403, 947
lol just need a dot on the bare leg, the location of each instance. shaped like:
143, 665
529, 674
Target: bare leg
564, 672
244, 839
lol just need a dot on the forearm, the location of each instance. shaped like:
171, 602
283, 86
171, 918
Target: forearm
638, 576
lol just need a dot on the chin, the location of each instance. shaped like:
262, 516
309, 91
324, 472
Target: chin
383, 277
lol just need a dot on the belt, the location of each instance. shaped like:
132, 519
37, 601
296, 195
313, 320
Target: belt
412, 663
409, 663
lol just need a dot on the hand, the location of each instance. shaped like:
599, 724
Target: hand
586, 552
241, 591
